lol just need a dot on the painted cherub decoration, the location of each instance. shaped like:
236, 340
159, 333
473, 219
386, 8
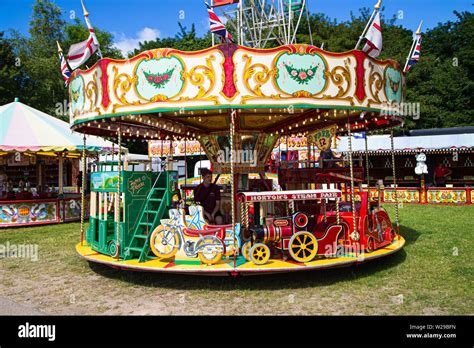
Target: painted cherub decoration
421, 167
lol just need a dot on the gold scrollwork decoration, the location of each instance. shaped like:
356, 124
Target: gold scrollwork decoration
340, 75
197, 76
376, 83
91, 91
122, 84
260, 75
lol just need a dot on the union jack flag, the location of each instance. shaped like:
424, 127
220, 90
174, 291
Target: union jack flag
216, 25
415, 56
65, 72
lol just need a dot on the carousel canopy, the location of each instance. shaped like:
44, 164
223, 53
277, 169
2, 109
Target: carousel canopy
26, 129
264, 93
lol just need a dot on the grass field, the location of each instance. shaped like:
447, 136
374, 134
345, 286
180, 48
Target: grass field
433, 274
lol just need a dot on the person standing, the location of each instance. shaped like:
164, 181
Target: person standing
440, 174
79, 181
3, 183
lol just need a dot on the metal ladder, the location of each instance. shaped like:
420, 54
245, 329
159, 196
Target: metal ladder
150, 217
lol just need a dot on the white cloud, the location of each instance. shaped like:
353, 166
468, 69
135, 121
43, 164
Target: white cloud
127, 44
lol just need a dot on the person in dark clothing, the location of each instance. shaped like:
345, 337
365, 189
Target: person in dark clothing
79, 181
327, 158
440, 174
208, 195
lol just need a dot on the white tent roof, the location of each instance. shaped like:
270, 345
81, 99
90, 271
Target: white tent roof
408, 143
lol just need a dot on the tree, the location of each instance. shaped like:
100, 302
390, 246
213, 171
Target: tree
42, 85
442, 81
11, 76
38, 57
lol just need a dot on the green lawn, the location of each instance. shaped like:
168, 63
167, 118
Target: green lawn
433, 274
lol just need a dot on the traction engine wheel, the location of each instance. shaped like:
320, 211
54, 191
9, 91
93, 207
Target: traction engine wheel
260, 254
164, 243
246, 250
370, 245
303, 246
393, 234
210, 250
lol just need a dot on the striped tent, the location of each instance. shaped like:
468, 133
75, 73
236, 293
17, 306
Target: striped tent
24, 129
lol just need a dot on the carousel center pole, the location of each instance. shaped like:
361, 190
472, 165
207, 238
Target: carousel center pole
117, 196
367, 161
354, 235
84, 183
185, 171
392, 149
232, 183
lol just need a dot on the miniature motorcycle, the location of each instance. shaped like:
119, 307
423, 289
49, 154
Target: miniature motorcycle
178, 237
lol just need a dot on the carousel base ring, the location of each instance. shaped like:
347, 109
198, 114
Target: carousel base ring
243, 267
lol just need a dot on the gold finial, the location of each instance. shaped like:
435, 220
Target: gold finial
377, 5
59, 47
84, 9
418, 32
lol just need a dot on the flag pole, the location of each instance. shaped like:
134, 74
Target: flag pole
86, 15
212, 34
376, 8
418, 33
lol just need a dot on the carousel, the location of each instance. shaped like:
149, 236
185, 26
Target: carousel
238, 102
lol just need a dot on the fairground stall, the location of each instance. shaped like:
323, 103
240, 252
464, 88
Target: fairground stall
39, 167
418, 157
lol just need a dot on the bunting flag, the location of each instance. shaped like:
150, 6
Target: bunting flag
79, 53
373, 45
65, 72
224, 2
216, 25
91, 29
415, 56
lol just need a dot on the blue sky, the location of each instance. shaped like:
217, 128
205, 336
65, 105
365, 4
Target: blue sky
134, 20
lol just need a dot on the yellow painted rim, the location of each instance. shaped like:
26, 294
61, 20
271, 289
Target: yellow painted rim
260, 254
169, 250
213, 259
303, 246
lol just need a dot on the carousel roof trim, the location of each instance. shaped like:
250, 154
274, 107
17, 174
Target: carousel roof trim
165, 82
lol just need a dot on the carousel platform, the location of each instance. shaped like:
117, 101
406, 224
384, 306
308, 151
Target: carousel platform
226, 266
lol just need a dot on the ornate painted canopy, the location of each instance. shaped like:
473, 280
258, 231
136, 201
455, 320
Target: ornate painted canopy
285, 90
